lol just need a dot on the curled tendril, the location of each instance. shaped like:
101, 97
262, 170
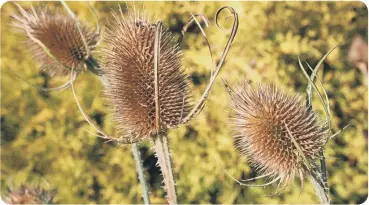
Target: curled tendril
188, 24
233, 12
98, 28
201, 103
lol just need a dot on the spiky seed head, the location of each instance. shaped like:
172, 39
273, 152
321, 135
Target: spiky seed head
129, 77
29, 195
261, 121
59, 33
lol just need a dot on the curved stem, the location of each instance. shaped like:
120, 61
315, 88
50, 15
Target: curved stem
43, 89
200, 104
140, 173
248, 185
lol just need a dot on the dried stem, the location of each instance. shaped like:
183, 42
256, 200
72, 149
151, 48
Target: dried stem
204, 96
60, 87
320, 191
188, 24
165, 163
321, 188
161, 140
156, 74
140, 173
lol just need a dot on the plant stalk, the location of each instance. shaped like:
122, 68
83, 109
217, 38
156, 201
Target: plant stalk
320, 188
320, 191
165, 163
323, 169
140, 173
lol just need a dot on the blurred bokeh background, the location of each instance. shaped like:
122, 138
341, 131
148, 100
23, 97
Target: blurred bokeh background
44, 138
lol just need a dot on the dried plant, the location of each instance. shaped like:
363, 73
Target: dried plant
145, 84
29, 195
129, 77
64, 46
69, 42
280, 136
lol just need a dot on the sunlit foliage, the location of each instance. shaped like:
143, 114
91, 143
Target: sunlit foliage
44, 135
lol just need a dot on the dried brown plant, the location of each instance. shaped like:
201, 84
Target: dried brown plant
29, 195
129, 77
280, 136
145, 84
71, 45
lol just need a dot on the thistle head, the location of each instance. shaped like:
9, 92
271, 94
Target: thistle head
28, 195
59, 33
129, 77
275, 131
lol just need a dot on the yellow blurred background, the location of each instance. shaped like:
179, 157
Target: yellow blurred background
44, 138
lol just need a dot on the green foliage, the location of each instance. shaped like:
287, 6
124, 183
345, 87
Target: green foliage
43, 134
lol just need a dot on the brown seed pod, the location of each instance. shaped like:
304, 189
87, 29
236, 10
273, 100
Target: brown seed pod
276, 131
27, 195
57, 31
129, 78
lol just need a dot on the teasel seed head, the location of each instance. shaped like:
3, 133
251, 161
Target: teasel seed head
264, 119
58, 31
129, 78
29, 195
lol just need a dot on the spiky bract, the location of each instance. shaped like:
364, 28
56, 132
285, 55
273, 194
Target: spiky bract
262, 118
59, 33
29, 195
129, 77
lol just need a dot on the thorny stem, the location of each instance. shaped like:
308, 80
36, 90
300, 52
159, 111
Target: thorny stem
140, 173
323, 169
165, 163
161, 140
204, 96
309, 105
319, 190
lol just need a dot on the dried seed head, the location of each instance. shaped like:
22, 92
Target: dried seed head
129, 78
263, 117
59, 33
26, 195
